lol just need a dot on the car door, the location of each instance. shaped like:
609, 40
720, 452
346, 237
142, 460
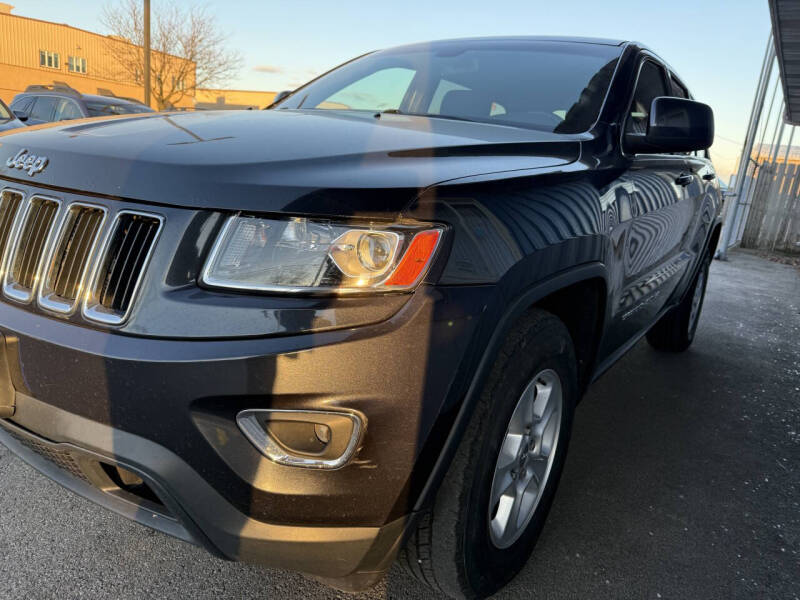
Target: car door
653, 259
703, 193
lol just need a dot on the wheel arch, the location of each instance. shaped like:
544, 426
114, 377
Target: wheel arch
546, 295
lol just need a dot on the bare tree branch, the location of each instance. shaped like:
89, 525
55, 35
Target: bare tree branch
188, 51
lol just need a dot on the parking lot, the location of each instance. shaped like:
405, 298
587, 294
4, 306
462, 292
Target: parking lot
683, 481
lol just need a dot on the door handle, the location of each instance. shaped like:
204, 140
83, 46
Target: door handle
709, 176
684, 179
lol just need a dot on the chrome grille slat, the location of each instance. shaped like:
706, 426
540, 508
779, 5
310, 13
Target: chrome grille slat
67, 265
127, 250
126, 294
34, 243
9, 206
26, 250
75, 254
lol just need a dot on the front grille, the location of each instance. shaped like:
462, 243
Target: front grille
127, 252
27, 251
53, 255
62, 284
60, 458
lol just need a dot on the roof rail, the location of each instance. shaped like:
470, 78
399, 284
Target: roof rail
55, 87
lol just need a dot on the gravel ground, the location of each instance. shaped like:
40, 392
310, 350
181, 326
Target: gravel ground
683, 481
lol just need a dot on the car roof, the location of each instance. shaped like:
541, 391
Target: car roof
78, 95
522, 38
107, 99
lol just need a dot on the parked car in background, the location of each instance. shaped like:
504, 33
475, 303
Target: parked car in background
7, 118
47, 104
355, 326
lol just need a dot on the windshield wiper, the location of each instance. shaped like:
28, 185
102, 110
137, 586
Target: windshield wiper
397, 111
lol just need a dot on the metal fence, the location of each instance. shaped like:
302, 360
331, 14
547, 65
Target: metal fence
773, 212
763, 209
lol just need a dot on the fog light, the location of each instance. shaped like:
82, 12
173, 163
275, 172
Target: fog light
303, 438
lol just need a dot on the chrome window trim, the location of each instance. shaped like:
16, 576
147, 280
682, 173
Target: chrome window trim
11, 289
91, 309
14, 225
45, 298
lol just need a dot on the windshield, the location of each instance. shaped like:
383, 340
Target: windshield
551, 86
104, 109
5, 114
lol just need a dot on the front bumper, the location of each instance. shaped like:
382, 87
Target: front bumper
165, 411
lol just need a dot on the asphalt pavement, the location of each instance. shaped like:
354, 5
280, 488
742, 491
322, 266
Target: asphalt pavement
683, 481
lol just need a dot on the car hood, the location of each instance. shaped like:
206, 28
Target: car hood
320, 162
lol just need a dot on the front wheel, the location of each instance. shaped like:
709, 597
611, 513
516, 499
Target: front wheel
495, 498
675, 331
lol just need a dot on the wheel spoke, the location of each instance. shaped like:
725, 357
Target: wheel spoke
503, 481
538, 466
528, 497
544, 420
504, 511
509, 450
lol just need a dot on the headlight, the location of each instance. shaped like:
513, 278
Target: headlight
301, 255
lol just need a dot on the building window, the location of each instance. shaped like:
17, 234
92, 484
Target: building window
51, 60
77, 65
178, 84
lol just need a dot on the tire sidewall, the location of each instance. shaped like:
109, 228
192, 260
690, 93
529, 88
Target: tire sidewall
692, 327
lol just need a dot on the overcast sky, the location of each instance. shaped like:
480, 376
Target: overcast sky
715, 45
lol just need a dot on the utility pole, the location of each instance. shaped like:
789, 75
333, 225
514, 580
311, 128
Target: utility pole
147, 52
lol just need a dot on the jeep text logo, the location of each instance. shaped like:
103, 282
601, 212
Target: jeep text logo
25, 161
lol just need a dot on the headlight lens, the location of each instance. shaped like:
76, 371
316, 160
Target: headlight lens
301, 255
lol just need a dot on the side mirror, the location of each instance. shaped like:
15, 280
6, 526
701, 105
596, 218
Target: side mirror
675, 125
21, 115
280, 96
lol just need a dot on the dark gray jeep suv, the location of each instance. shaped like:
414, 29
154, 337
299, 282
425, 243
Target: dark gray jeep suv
354, 327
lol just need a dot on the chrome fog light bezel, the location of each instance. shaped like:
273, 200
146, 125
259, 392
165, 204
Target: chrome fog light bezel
251, 427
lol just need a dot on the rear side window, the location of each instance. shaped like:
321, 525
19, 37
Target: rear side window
45, 107
649, 86
105, 109
67, 110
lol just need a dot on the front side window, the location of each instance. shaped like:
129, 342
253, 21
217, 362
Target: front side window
677, 88
545, 85
44, 108
649, 86
5, 114
23, 104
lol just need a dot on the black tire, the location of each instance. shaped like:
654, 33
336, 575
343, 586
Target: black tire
674, 332
451, 549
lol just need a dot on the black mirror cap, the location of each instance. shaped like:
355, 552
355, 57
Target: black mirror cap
21, 115
676, 125
278, 97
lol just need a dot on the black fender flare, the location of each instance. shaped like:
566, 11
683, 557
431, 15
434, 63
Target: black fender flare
482, 364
